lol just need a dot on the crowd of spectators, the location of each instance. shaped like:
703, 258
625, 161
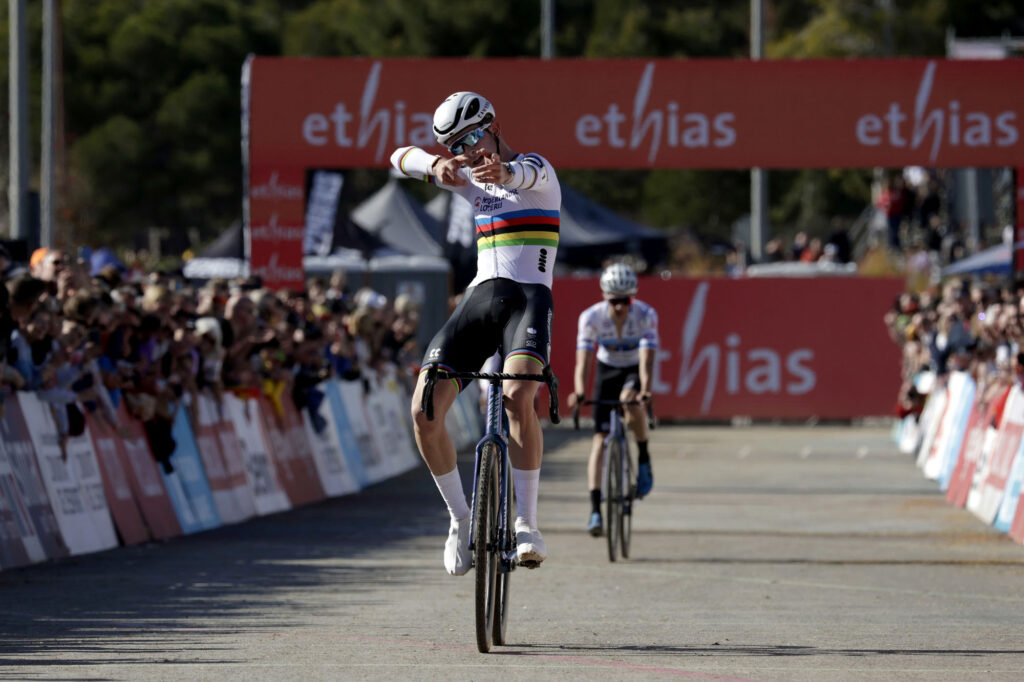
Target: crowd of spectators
88, 340
964, 326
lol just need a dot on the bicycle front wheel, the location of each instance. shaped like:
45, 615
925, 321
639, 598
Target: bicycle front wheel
506, 533
613, 493
485, 545
629, 497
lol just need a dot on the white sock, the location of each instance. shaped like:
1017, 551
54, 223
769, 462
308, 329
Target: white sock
526, 482
450, 485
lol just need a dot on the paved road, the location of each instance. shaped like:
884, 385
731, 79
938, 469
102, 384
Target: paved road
765, 553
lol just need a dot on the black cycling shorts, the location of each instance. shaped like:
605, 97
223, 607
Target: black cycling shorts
497, 315
608, 384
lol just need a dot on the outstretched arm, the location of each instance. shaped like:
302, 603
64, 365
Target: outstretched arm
416, 163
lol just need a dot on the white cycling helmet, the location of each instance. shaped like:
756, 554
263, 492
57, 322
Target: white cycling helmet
460, 112
618, 279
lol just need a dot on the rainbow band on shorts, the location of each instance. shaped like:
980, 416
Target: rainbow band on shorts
527, 353
446, 368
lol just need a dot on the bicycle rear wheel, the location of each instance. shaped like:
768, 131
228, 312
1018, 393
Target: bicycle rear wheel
613, 493
629, 497
485, 550
507, 544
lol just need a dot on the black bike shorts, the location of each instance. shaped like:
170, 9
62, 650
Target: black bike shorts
497, 315
608, 384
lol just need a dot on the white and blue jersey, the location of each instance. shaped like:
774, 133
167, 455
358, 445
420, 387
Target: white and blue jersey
597, 331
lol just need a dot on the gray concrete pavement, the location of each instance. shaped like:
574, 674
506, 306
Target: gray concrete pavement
764, 553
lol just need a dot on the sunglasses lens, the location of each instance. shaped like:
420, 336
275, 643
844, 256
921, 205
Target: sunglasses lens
466, 141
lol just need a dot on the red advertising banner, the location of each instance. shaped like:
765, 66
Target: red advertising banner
969, 454
147, 484
763, 348
276, 224
630, 113
293, 459
120, 500
642, 113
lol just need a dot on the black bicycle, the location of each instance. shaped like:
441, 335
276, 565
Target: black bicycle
491, 531
619, 476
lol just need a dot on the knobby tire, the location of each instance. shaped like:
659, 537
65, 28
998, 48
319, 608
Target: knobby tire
507, 544
629, 503
485, 552
613, 493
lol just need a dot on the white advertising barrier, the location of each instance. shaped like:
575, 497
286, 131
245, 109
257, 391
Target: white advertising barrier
931, 417
945, 448
992, 474
908, 437
21, 543
390, 430
353, 400
226, 475
74, 517
331, 466
1011, 492
267, 492
462, 422
82, 459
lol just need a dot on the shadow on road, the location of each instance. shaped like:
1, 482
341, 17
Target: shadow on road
136, 593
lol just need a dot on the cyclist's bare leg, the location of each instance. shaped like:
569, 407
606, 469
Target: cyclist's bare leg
594, 466
431, 436
636, 416
526, 440
439, 453
525, 448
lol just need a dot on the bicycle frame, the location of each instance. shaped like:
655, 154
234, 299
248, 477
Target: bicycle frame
496, 432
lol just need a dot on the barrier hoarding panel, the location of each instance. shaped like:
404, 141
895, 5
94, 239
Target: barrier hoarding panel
66, 497
1017, 529
292, 458
931, 419
763, 348
996, 470
946, 447
146, 481
355, 400
120, 499
15, 523
390, 432
188, 467
225, 470
970, 453
84, 464
268, 495
44, 532
1011, 493
352, 435
321, 429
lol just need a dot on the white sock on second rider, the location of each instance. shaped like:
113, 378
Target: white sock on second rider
526, 482
450, 485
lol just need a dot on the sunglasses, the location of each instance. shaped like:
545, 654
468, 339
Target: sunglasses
620, 300
468, 140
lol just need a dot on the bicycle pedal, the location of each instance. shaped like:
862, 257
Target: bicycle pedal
530, 563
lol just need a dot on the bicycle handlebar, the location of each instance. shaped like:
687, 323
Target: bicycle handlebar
651, 421
434, 372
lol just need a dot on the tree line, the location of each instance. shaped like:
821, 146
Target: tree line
151, 93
